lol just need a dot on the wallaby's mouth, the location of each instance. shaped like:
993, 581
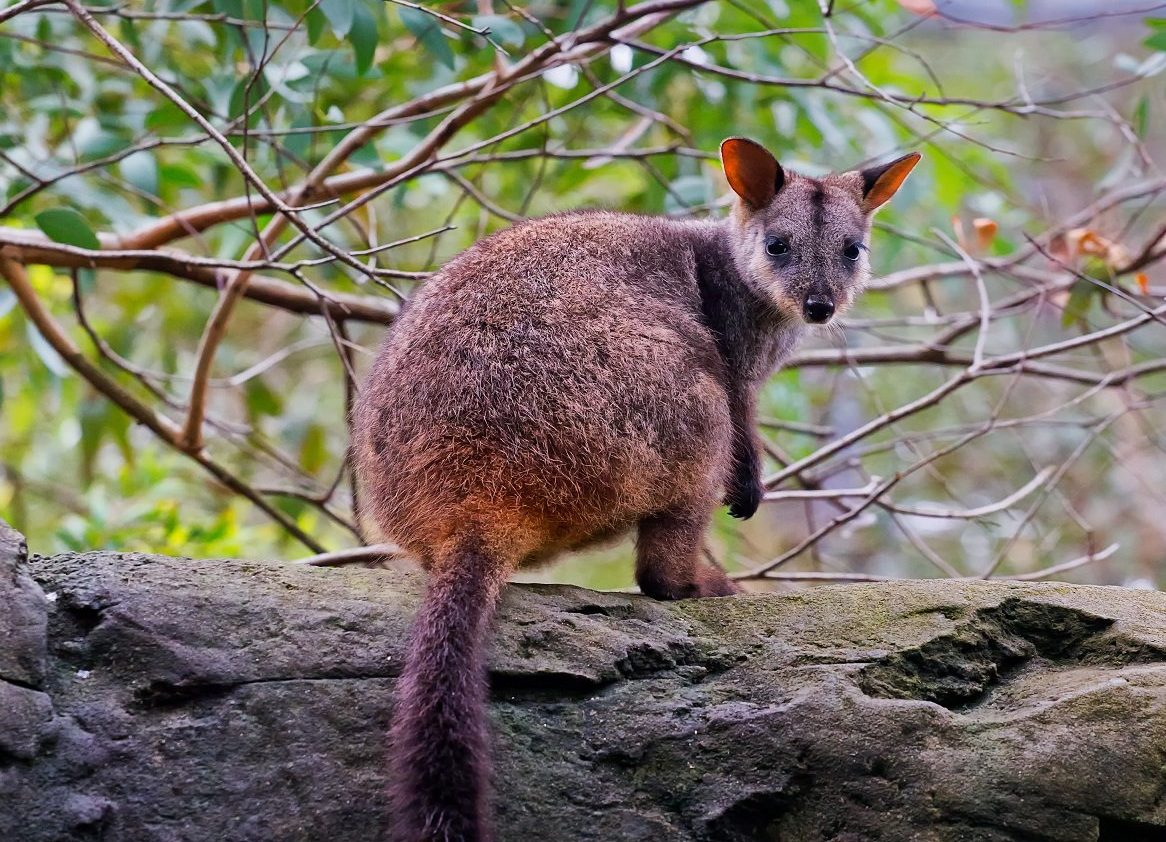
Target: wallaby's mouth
818, 309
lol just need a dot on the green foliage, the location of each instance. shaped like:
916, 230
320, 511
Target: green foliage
67, 226
429, 34
1157, 40
286, 80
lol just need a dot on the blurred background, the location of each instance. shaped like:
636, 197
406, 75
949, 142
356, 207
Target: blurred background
991, 407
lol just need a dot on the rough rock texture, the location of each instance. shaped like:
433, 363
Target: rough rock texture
25, 710
22, 618
232, 700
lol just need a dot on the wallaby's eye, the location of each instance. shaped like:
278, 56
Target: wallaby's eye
776, 246
852, 251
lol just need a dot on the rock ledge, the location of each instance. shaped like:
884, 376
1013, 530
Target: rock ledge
150, 698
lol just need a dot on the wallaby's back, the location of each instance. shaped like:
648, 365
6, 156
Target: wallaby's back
551, 384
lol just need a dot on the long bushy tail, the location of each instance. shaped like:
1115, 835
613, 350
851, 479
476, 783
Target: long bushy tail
439, 739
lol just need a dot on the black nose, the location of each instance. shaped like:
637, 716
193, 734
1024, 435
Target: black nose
818, 309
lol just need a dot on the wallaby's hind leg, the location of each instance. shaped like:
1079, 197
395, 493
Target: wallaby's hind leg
668, 556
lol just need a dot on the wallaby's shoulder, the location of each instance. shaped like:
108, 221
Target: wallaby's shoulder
577, 259
583, 238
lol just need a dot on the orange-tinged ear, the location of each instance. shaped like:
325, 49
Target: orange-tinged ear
753, 172
880, 183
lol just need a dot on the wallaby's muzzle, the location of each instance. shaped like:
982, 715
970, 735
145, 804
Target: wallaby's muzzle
818, 309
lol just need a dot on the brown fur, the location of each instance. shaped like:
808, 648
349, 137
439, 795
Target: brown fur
566, 380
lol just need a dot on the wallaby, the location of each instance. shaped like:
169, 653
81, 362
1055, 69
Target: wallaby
564, 381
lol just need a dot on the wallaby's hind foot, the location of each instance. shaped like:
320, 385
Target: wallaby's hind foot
668, 556
714, 582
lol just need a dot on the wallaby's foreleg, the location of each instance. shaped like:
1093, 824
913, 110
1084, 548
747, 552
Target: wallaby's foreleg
745, 490
668, 556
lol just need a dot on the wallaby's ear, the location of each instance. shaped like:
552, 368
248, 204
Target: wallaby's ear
880, 183
753, 172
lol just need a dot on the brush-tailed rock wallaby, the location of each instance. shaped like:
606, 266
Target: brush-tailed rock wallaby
569, 379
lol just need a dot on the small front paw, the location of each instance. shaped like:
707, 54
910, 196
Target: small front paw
744, 499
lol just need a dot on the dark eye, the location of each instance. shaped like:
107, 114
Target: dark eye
852, 251
776, 246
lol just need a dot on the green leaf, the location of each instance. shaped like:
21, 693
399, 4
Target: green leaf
255, 10
180, 175
1141, 116
363, 37
248, 93
261, 400
118, 426
93, 417
230, 8
366, 156
580, 12
166, 116
65, 225
129, 34
315, 20
428, 33
45, 351
1157, 41
340, 14
298, 143
501, 29
97, 143
312, 451
141, 170
1077, 307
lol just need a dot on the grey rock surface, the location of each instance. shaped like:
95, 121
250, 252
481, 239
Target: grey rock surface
22, 614
25, 710
235, 700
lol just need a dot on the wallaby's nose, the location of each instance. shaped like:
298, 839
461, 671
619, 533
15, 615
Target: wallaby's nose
818, 309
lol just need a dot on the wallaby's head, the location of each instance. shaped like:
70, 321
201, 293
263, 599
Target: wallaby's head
802, 242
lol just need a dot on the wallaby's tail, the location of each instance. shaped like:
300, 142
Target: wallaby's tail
440, 745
